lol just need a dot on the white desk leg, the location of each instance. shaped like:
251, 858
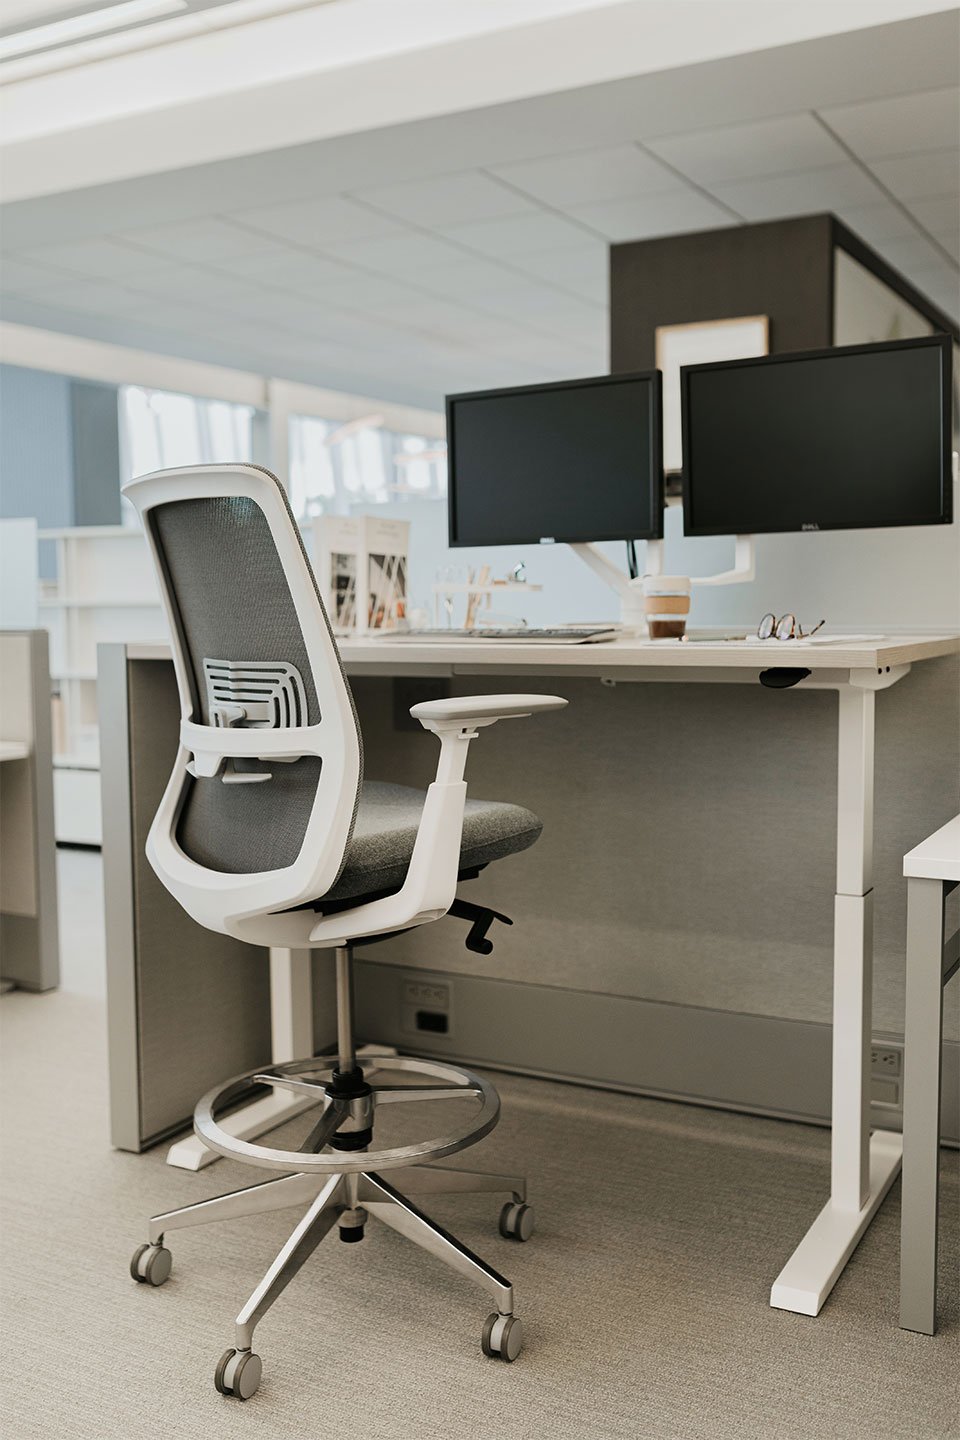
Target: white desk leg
862, 1167
291, 1036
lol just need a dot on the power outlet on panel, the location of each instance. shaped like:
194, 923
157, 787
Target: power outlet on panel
886, 1074
425, 1008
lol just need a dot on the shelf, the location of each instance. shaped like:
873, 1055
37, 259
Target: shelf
68, 603
492, 587
14, 750
92, 532
68, 761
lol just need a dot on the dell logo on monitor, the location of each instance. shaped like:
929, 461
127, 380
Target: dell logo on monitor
809, 525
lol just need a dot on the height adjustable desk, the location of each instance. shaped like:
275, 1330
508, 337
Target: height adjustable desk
862, 1166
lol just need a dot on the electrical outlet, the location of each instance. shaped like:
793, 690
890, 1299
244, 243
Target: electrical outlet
886, 1060
426, 1008
886, 1074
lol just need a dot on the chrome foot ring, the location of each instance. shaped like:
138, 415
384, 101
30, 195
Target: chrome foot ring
311, 1078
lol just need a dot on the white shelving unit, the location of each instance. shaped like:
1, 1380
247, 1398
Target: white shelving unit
104, 590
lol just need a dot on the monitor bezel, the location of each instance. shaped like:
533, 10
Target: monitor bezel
654, 530
941, 341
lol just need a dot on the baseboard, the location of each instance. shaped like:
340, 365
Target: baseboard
754, 1063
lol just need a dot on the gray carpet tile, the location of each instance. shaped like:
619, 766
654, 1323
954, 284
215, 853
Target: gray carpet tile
644, 1291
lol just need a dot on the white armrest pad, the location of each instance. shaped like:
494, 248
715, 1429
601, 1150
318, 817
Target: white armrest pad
467, 708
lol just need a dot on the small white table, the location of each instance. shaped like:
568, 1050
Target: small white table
932, 870
14, 750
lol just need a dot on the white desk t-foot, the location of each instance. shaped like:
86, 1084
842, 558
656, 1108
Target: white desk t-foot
862, 1167
291, 1037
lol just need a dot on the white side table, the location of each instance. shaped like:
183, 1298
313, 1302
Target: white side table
932, 870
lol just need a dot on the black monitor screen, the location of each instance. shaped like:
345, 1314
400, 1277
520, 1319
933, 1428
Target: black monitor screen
575, 461
849, 438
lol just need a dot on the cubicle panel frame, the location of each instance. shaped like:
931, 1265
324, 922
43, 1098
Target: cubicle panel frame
30, 943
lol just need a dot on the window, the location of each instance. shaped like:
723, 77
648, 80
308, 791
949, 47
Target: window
335, 465
160, 429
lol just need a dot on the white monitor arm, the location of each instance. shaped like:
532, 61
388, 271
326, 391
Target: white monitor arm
632, 615
744, 566
630, 591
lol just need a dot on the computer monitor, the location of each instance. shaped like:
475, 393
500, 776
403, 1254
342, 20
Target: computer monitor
575, 461
854, 437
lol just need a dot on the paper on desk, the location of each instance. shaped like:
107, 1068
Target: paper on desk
773, 645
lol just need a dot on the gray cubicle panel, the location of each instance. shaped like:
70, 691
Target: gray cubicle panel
186, 1008
673, 927
29, 938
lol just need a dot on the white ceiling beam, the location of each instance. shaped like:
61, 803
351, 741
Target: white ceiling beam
335, 70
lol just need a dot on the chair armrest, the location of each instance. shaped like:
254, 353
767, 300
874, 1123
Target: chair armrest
431, 882
471, 710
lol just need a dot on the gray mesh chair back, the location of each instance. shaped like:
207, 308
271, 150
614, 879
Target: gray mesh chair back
253, 652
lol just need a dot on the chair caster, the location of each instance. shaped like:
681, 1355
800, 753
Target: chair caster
151, 1264
516, 1221
502, 1337
239, 1374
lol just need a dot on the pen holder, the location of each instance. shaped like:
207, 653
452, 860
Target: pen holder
666, 603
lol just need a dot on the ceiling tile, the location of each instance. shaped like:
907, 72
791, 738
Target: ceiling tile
185, 283
317, 222
519, 235
466, 277
735, 152
900, 125
97, 297
407, 253
294, 270
460, 326
105, 259
940, 286
377, 294
270, 260
189, 319
642, 219
21, 276
197, 240
804, 193
917, 253
545, 312
949, 240
447, 200
275, 307
914, 177
874, 223
613, 173
939, 215
584, 272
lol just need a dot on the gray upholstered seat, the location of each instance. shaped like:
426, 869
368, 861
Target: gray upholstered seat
386, 827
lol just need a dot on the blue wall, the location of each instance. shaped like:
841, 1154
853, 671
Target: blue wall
36, 451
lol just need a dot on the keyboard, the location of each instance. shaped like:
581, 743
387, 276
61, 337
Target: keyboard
568, 635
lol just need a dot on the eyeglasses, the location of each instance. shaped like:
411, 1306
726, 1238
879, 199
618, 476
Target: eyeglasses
786, 628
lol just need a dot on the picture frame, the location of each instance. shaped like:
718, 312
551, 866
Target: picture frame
696, 343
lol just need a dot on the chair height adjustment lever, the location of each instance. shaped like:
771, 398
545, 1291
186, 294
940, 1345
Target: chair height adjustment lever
482, 918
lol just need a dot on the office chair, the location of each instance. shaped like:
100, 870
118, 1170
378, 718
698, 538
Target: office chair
268, 832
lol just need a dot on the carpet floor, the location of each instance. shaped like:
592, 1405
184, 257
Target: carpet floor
643, 1292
